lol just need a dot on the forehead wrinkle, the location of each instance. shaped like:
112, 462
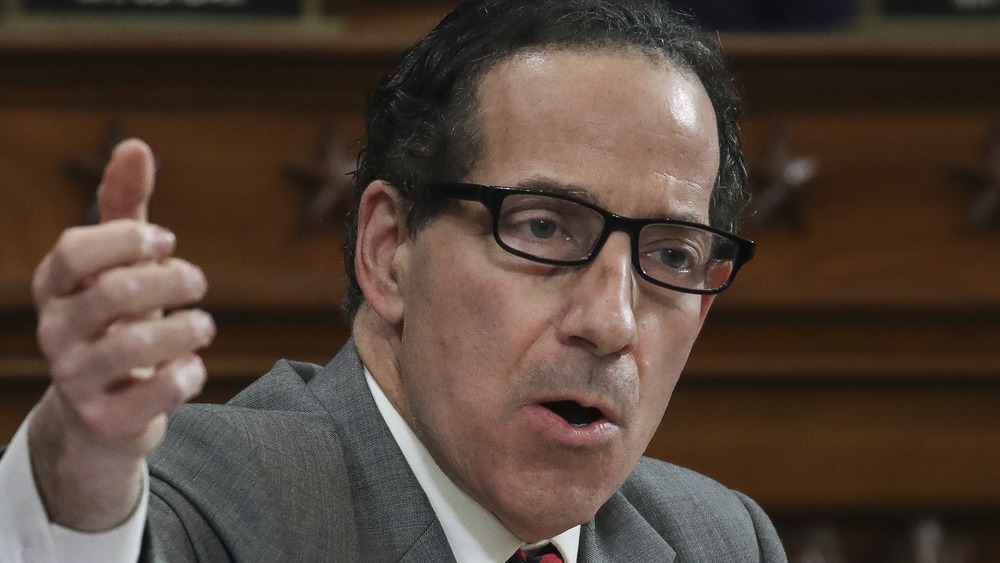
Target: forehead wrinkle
681, 209
672, 178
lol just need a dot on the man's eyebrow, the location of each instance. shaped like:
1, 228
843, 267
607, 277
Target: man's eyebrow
688, 217
552, 186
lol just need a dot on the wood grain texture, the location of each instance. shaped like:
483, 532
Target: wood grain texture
852, 374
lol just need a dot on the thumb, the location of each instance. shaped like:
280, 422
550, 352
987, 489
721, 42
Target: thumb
128, 182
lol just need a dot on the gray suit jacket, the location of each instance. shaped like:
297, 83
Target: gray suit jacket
301, 467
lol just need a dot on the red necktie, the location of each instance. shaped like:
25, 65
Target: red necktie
548, 554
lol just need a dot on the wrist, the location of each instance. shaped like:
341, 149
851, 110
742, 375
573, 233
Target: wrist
85, 484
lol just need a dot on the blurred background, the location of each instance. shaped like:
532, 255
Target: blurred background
850, 381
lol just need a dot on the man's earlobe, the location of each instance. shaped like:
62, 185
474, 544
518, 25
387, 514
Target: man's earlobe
382, 251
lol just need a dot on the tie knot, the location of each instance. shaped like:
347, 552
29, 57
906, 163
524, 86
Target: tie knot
546, 554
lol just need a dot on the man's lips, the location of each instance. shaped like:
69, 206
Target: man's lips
583, 410
572, 423
574, 413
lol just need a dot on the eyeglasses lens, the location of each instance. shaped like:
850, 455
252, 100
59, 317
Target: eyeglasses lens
549, 228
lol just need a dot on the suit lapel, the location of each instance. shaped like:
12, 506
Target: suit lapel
395, 521
619, 533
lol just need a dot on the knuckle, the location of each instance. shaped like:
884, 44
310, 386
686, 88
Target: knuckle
130, 344
50, 332
176, 384
139, 235
195, 281
65, 252
174, 392
66, 238
66, 368
39, 281
189, 279
116, 287
186, 378
139, 336
96, 418
202, 327
197, 377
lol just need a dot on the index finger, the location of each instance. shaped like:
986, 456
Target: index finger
128, 182
83, 252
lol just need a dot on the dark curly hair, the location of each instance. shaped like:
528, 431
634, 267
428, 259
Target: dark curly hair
421, 121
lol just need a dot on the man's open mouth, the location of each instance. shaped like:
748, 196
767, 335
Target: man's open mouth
575, 413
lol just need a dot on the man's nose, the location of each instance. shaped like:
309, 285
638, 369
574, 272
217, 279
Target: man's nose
600, 310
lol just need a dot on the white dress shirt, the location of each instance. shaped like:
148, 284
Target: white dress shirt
26, 535
474, 534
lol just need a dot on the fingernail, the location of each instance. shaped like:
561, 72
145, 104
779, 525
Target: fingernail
164, 241
196, 377
142, 372
192, 378
205, 326
196, 281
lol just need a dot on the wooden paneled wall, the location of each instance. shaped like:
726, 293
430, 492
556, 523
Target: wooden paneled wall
850, 381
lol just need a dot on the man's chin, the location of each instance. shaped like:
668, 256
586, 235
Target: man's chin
540, 526
554, 503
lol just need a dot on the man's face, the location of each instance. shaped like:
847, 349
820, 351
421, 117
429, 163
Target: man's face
496, 350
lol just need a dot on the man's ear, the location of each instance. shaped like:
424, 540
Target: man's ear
381, 252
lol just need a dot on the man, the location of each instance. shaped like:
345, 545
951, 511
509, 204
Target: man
532, 262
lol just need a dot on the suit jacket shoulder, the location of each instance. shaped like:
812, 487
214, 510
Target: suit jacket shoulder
693, 517
240, 482
298, 467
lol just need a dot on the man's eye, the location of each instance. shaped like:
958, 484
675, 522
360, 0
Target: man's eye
536, 226
542, 228
673, 258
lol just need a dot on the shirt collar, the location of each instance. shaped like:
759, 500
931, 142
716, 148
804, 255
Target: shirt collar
473, 533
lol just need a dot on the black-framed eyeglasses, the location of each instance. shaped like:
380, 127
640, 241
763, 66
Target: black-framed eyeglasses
561, 230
